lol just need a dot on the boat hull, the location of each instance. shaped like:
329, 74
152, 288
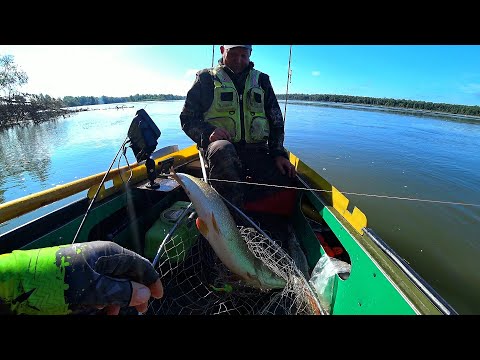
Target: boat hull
377, 283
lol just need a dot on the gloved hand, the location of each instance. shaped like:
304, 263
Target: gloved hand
69, 278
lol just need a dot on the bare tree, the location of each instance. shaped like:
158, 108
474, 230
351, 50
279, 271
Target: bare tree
11, 77
21, 108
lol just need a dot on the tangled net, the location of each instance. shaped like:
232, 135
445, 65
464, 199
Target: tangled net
198, 283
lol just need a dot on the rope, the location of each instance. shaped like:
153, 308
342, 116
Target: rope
350, 193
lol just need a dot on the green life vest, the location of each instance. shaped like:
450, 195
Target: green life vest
225, 111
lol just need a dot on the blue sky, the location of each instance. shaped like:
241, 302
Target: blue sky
436, 73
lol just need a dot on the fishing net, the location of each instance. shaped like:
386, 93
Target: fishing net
196, 282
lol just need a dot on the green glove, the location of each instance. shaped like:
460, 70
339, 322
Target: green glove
69, 278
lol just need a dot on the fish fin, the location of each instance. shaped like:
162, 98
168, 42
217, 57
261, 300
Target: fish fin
202, 227
214, 223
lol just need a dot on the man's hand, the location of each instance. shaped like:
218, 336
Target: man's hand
219, 134
285, 166
105, 275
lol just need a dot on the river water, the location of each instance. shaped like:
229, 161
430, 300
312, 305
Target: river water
431, 161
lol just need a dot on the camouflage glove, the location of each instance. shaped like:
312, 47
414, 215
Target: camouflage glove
65, 279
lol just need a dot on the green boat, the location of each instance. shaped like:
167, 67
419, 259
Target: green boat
141, 208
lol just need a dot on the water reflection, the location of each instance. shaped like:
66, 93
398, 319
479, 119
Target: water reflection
25, 155
37, 157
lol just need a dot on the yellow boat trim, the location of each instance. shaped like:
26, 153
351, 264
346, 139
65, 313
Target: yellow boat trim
18, 207
332, 195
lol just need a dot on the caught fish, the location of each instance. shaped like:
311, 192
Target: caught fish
216, 224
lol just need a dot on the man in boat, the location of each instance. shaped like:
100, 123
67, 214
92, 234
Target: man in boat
98, 276
232, 113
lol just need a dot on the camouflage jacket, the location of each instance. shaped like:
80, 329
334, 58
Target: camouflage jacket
200, 97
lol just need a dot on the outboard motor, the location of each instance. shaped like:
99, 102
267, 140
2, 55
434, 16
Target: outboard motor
143, 135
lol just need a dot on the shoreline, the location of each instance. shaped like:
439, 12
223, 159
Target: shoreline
381, 108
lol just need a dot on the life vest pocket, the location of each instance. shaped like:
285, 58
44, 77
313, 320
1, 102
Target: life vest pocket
226, 96
226, 123
259, 129
225, 100
255, 100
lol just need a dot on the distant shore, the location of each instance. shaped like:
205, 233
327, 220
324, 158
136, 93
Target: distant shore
407, 111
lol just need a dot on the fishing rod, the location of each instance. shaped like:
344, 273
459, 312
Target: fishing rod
98, 190
142, 135
213, 53
289, 80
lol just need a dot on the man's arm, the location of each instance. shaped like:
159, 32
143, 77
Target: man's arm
275, 119
199, 98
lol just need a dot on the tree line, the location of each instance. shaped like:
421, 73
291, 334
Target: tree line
72, 101
394, 103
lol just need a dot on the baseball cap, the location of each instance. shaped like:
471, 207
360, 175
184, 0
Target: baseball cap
249, 47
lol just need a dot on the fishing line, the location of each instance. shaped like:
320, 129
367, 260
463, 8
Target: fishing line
350, 193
